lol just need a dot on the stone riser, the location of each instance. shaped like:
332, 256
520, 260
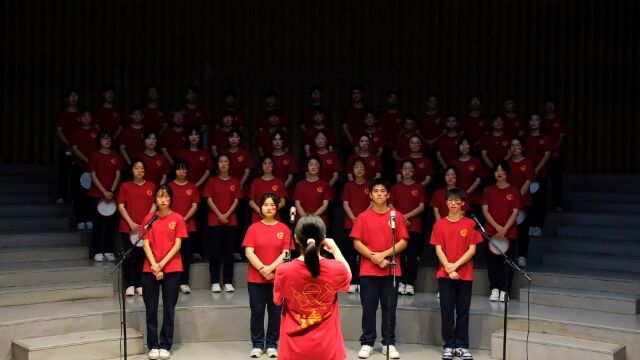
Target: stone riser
602, 206
10, 297
621, 248
577, 301
53, 276
598, 232
51, 223
517, 350
600, 262
45, 239
34, 210
44, 254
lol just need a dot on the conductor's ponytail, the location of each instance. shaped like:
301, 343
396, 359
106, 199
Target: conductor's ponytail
310, 232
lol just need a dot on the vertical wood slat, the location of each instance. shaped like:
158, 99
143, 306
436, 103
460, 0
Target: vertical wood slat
585, 52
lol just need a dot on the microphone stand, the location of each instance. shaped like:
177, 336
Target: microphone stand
292, 221
507, 263
392, 269
119, 265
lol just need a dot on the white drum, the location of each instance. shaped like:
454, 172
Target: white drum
534, 187
522, 215
133, 237
85, 180
107, 208
498, 242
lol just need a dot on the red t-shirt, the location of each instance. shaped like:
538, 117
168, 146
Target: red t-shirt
137, 199
162, 236
108, 119
468, 172
553, 128
155, 166
377, 140
263, 121
330, 163
431, 126
536, 147
423, 167
374, 230
263, 140
85, 140
521, 172
184, 196
475, 128
132, 139
447, 146
222, 193
401, 145
514, 126
372, 165
497, 147
310, 325
354, 119
311, 195
194, 117
309, 137
268, 242
455, 239
154, 118
307, 117
501, 203
105, 166
238, 120
220, 139
283, 166
438, 201
199, 162
239, 162
357, 195
405, 198
259, 187
68, 121
173, 141
391, 123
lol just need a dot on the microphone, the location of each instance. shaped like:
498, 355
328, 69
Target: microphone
393, 219
149, 223
473, 216
292, 214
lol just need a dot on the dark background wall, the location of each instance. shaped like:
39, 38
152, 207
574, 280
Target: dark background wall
584, 52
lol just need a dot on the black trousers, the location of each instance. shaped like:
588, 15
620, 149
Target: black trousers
523, 235
104, 228
556, 170
151, 293
351, 255
409, 259
81, 203
376, 290
63, 172
185, 254
132, 267
455, 300
539, 206
499, 277
221, 245
261, 298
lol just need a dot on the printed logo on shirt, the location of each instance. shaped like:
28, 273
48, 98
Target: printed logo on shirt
94, 135
160, 113
509, 196
149, 193
240, 158
274, 188
172, 225
376, 139
464, 232
201, 158
481, 123
542, 141
280, 235
414, 193
115, 114
523, 167
329, 161
313, 301
285, 161
189, 192
113, 161
421, 165
198, 114
320, 189
159, 162
372, 163
556, 124
437, 121
366, 190
232, 188
505, 143
472, 167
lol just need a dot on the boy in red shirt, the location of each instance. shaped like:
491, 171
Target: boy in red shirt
172, 140
132, 137
66, 123
556, 128
391, 119
83, 144
154, 117
107, 116
372, 234
352, 124
431, 123
317, 100
230, 104
495, 146
447, 146
271, 103
514, 124
194, 115
474, 124
455, 239
318, 122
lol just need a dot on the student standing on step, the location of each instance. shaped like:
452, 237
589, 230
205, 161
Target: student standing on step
135, 201
162, 268
308, 289
372, 239
455, 239
83, 144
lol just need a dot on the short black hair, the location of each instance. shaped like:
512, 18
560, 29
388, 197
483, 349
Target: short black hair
455, 194
504, 164
379, 181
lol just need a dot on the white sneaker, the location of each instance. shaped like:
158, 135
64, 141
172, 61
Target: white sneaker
109, 257
402, 289
272, 352
504, 296
164, 354
522, 262
131, 291
216, 289
365, 352
393, 352
447, 354
463, 354
409, 290
495, 295
89, 225
81, 226
139, 291
185, 289
352, 289
154, 354
438, 295
229, 288
255, 353
98, 257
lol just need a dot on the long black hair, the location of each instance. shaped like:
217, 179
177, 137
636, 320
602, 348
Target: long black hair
310, 233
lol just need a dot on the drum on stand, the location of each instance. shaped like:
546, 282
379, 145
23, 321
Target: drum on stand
85, 180
106, 207
534, 187
522, 216
498, 242
133, 237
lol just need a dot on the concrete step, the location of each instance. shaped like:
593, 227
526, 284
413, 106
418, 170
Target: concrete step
546, 347
25, 187
595, 218
602, 246
583, 299
598, 232
604, 195
24, 210
28, 198
45, 238
43, 253
50, 223
51, 272
605, 206
593, 261
583, 279
88, 345
37, 294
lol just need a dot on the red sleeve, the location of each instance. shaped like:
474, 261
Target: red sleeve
249, 239
207, 188
278, 283
518, 202
436, 236
238, 191
402, 232
121, 198
181, 228
253, 190
93, 166
297, 190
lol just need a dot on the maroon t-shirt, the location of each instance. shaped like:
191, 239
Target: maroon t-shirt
194, 117
447, 146
259, 187
311, 195
497, 147
423, 167
155, 166
137, 199
372, 164
405, 198
501, 203
184, 196
108, 119
85, 141
283, 166
391, 123
468, 172
536, 147
222, 193
173, 141
68, 122
357, 195
475, 128
132, 139
354, 119
431, 125
199, 162
105, 166
521, 172
154, 118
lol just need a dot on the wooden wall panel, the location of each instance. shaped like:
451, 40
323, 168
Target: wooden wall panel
584, 52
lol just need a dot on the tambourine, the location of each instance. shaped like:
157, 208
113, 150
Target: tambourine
133, 237
522, 215
106, 208
498, 242
534, 187
85, 180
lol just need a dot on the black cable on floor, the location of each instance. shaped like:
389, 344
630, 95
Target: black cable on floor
528, 318
121, 314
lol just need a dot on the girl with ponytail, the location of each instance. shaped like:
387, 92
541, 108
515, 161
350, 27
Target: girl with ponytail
307, 288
